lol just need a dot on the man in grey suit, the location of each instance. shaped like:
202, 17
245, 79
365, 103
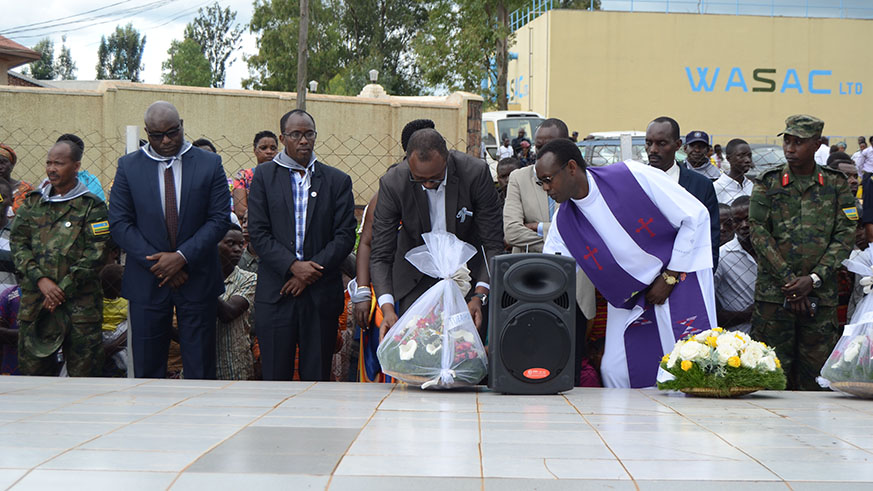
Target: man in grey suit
302, 226
433, 190
527, 215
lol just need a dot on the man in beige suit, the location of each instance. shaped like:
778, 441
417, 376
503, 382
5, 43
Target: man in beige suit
527, 214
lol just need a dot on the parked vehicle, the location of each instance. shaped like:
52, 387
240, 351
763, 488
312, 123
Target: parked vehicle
499, 124
764, 158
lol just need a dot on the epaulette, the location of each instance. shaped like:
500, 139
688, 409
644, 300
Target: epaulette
832, 171
774, 172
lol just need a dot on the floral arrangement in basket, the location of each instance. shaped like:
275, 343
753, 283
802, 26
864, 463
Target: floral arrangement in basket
849, 368
416, 350
435, 342
720, 363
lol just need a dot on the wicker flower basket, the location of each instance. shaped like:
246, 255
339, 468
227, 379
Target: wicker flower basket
720, 393
860, 389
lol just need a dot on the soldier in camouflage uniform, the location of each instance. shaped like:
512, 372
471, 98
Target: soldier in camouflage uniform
57, 241
802, 219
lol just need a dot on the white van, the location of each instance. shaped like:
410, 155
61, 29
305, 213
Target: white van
499, 124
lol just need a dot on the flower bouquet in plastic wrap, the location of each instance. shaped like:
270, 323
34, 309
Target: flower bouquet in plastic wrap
849, 369
435, 343
719, 363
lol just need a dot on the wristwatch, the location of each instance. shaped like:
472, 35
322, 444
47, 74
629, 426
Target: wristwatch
816, 281
669, 279
483, 297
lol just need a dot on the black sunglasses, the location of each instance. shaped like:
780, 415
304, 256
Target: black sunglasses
159, 135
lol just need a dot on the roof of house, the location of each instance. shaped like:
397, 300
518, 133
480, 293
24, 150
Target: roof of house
15, 54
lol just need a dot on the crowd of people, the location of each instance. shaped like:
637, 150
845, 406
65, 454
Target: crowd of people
268, 275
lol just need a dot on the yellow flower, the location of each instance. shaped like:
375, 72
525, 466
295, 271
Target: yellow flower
778, 363
665, 358
718, 329
711, 341
686, 365
734, 361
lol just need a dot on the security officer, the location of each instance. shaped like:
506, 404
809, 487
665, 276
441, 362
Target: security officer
58, 240
802, 219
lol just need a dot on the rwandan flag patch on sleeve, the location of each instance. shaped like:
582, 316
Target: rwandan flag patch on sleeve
851, 213
100, 228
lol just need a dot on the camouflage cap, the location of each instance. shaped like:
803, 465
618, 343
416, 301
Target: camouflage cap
802, 126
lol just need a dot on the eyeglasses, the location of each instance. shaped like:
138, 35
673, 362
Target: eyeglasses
296, 135
548, 179
159, 135
426, 181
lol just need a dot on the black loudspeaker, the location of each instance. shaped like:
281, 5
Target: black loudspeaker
532, 324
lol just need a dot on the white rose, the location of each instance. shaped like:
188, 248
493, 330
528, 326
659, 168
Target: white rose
752, 355
725, 351
769, 363
693, 351
701, 338
433, 347
852, 351
463, 335
407, 351
728, 340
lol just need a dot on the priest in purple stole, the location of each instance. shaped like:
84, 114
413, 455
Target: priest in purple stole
645, 244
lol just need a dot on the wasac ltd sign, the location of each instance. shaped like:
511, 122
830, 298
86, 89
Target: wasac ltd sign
710, 79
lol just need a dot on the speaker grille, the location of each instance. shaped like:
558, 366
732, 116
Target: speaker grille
507, 300
563, 301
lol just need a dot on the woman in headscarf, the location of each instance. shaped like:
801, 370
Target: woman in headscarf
20, 189
266, 146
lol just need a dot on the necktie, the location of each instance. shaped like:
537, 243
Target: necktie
551, 207
172, 214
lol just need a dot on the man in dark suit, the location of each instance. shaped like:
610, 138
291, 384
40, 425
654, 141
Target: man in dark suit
302, 226
662, 142
170, 207
433, 190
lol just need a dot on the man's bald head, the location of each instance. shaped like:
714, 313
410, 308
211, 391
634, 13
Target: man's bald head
164, 128
161, 112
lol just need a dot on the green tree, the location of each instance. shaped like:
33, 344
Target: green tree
218, 35
352, 37
43, 68
120, 56
466, 41
65, 67
276, 24
186, 65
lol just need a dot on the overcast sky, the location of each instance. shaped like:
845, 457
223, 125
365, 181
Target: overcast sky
161, 24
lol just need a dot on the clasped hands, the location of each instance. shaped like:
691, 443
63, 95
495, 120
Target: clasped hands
168, 268
797, 293
303, 274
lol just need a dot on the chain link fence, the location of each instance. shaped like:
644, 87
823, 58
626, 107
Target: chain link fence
364, 159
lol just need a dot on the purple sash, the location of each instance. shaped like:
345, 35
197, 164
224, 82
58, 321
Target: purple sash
652, 232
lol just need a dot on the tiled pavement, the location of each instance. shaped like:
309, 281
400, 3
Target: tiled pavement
124, 434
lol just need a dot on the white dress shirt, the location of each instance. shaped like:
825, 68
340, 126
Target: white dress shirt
727, 189
821, 155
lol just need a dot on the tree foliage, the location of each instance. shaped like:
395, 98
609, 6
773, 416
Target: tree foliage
417, 46
44, 67
216, 31
186, 65
65, 67
120, 56
49, 68
347, 39
456, 46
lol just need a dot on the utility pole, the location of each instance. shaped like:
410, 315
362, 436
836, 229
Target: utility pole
302, 54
